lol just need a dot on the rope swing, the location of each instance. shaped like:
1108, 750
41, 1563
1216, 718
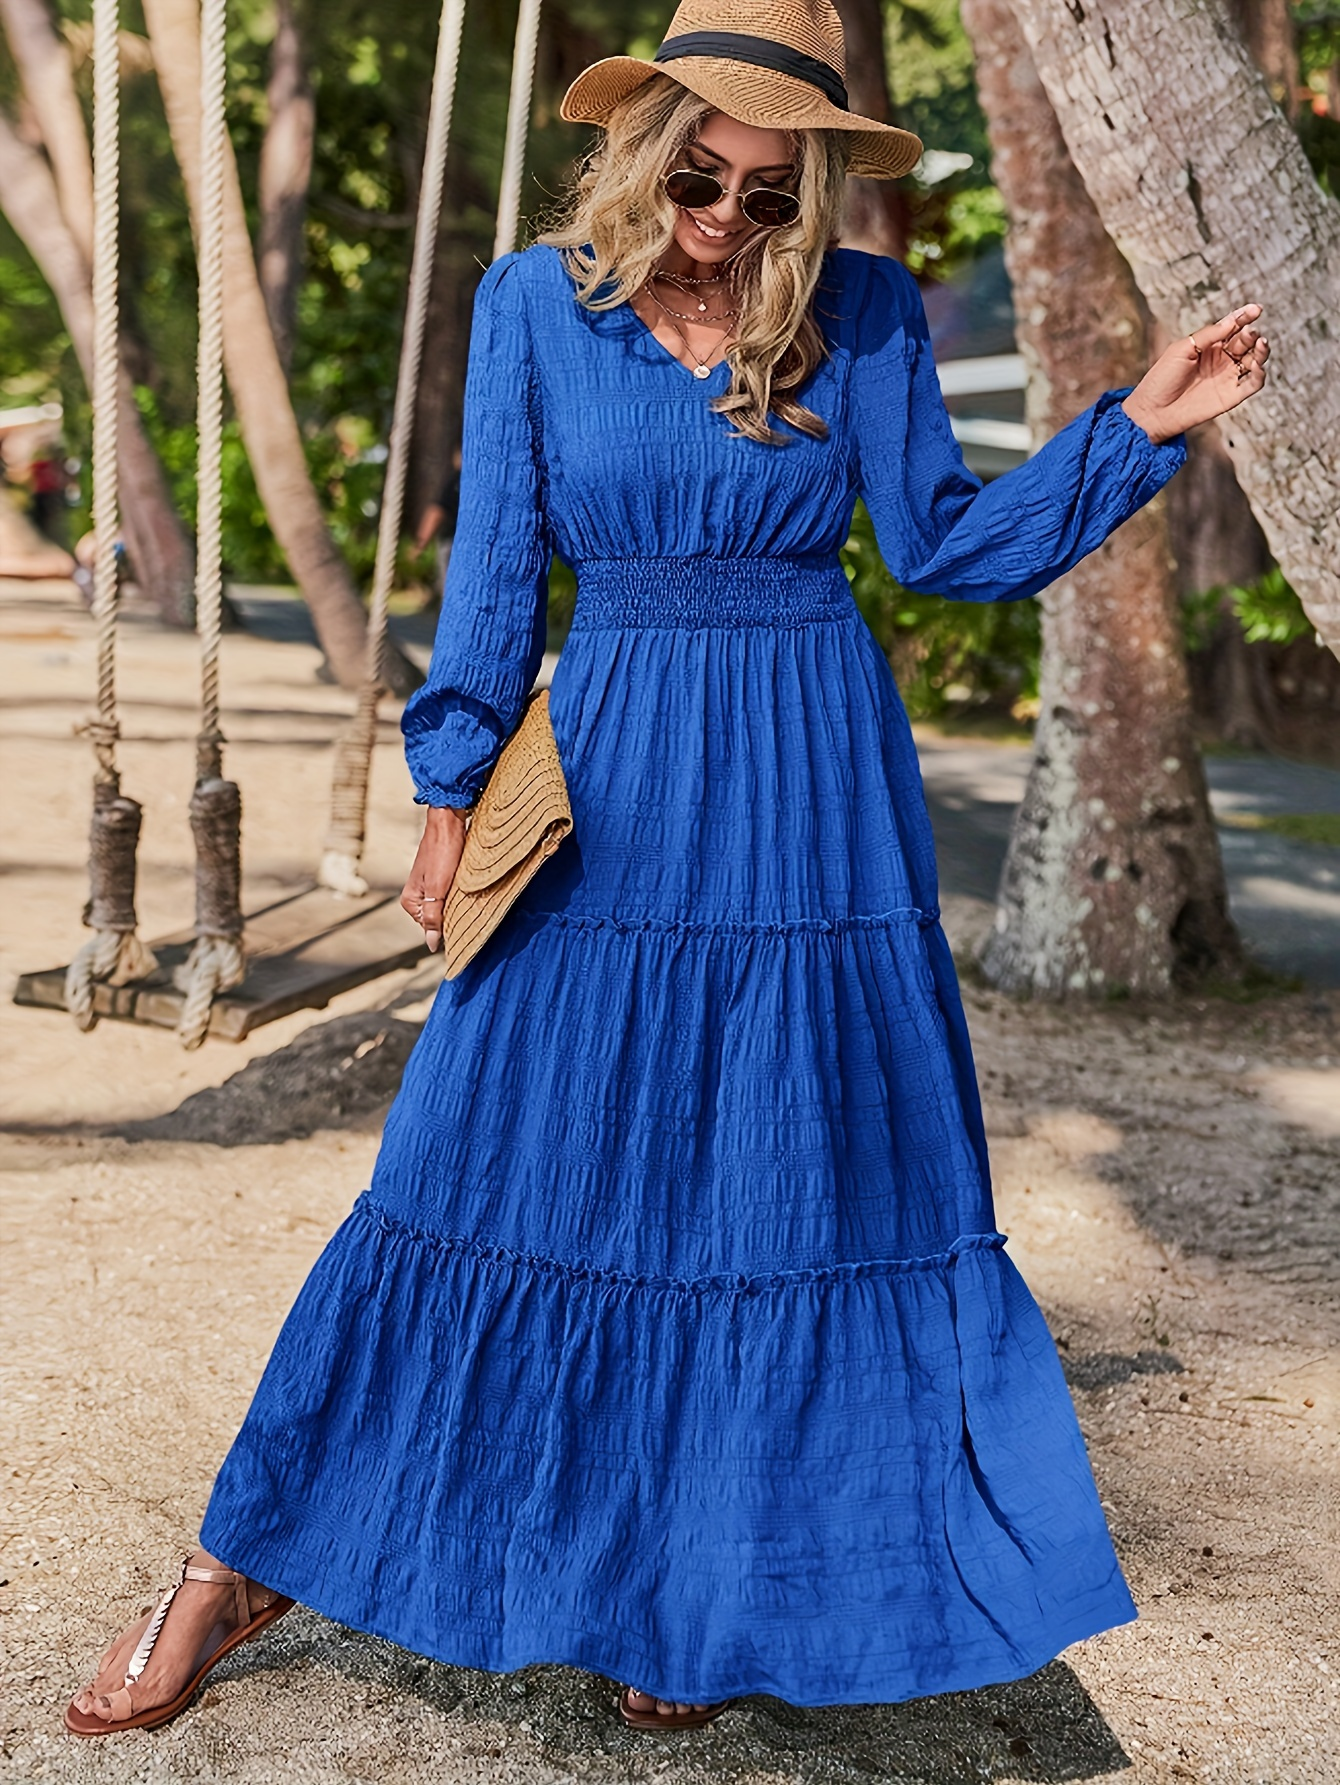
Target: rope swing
114, 953
215, 962
518, 121
306, 952
341, 862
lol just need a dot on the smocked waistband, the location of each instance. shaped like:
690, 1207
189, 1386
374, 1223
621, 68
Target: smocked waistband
763, 591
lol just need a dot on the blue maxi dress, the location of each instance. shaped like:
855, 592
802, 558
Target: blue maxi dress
674, 1337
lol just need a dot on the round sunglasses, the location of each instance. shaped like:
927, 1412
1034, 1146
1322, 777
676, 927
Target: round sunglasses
693, 190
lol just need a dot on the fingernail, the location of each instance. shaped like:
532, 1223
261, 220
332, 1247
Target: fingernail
432, 938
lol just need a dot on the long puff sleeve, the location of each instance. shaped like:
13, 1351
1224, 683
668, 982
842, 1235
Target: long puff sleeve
490, 636
940, 530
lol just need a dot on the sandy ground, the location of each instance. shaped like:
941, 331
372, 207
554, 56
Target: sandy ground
1170, 1181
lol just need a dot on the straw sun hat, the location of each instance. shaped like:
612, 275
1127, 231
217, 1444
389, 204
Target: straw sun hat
779, 64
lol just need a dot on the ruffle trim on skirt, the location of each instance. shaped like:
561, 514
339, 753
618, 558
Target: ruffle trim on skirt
854, 1485
733, 1283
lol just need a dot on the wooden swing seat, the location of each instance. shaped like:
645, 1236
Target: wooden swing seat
301, 952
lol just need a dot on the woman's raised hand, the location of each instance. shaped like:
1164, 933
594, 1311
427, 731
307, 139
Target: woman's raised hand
1201, 376
433, 872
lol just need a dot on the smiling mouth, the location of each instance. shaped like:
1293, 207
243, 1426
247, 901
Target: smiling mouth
714, 235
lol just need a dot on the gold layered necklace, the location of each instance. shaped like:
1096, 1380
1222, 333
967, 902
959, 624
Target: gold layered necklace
702, 368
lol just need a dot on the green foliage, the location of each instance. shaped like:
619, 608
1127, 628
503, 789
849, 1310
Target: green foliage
1268, 610
346, 466
950, 657
249, 552
34, 347
1320, 137
931, 78
953, 222
934, 91
1317, 34
562, 603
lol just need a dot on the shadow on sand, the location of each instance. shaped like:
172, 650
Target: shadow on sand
1030, 1732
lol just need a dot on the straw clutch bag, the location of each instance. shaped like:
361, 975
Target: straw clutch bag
520, 819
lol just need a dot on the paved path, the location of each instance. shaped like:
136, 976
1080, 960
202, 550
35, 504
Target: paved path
1285, 896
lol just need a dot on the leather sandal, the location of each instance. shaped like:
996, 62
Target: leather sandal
655, 1719
121, 1701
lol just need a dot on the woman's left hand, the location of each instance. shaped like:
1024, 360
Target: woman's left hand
1201, 376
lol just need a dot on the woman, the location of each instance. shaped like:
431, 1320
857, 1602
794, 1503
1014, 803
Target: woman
674, 1337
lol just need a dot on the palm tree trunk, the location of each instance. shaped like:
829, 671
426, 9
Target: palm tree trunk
256, 378
876, 210
285, 176
1268, 31
155, 540
1217, 540
55, 197
1113, 882
43, 62
1213, 204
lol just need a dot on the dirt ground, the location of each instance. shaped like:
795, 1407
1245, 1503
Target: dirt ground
1170, 1181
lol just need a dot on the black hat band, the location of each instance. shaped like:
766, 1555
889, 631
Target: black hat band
759, 52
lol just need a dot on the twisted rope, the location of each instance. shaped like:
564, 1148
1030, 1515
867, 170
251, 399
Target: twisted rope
114, 952
518, 123
106, 365
215, 961
343, 854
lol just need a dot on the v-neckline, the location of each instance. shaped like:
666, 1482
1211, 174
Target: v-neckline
633, 326
665, 352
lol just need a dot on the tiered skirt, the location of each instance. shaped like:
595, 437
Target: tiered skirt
673, 1337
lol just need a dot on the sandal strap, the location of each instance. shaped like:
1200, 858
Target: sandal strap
140, 1659
120, 1706
219, 1577
225, 1577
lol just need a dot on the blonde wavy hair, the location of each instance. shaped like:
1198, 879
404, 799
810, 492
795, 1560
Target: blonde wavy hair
617, 205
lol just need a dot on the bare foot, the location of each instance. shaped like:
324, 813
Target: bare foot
663, 1707
203, 1614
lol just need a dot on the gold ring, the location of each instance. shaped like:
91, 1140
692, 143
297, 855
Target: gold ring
1192, 340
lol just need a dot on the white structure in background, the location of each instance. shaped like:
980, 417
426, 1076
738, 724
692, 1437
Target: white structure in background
979, 378
33, 416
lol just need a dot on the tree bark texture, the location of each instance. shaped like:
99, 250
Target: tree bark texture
1217, 540
1205, 189
55, 195
285, 177
440, 397
43, 62
160, 552
256, 378
1113, 881
876, 210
